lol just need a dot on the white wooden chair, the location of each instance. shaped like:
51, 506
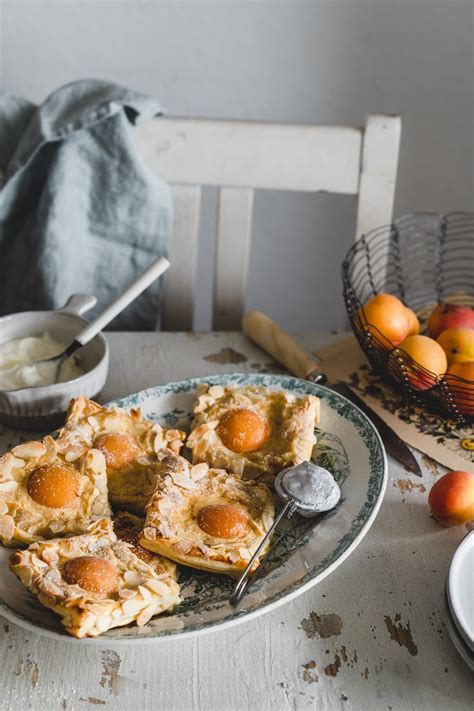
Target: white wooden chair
240, 157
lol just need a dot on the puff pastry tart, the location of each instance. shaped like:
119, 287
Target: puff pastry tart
128, 528
129, 443
94, 581
252, 431
44, 494
206, 518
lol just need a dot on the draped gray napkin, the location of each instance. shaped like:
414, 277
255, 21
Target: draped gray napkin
80, 211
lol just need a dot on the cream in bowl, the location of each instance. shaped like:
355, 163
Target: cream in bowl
21, 366
27, 402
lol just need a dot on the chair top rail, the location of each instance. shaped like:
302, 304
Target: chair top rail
253, 154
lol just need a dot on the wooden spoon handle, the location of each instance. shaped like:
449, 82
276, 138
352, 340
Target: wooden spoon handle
280, 345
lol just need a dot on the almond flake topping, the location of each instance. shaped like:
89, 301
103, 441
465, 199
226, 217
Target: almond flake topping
28, 450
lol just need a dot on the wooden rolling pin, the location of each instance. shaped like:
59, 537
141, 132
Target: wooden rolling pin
279, 344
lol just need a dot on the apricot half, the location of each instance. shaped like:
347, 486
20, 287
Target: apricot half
52, 485
242, 430
223, 521
91, 573
118, 449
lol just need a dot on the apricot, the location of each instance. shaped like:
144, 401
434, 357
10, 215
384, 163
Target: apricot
413, 323
451, 498
424, 351
52, 485
242, 430
118, 449
223, 521
447, 316
462, 392
458, 344
91, 573
387, 319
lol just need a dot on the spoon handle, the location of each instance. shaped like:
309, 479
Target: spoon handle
154, 271
245, 581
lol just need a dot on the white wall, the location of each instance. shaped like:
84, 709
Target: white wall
324, 61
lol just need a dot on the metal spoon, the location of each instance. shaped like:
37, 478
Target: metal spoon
307, 489
155, 270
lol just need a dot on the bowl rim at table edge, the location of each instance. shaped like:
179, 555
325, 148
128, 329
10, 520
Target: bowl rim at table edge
9, 614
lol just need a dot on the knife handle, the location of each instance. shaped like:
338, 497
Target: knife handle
280, 345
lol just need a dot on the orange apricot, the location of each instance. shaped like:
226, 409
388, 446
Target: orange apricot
387, 319
427, 353
242, 430
451, 498
462, 391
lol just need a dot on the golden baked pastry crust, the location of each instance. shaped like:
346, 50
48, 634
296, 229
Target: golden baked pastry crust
290, 419
22, 519
128, 528
131, 485
171, 527
141, 592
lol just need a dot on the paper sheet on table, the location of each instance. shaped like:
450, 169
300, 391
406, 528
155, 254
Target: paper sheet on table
447, 443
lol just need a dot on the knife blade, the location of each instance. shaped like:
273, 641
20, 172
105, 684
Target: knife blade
281, 346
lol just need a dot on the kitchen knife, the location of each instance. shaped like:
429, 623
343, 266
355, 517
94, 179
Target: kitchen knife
281, 346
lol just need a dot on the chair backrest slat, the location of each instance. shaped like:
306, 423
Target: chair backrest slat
180, 280
253, 155
240, 157
234, 231
378, 173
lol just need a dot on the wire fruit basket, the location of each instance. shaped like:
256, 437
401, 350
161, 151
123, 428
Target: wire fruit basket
425, 260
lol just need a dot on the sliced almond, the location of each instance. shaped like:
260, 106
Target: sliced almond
174, 434
56, 526
29, 450
149, 532
145, 593
96, 460
7, 487
73, 453
157, 586
3, 507
50, 556
103, 622
146, 615
127, 593
17, 463
198, 471
216, 391
131, 607
7, 528
133, 578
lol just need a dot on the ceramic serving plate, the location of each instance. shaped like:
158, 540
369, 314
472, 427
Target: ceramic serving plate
348, 445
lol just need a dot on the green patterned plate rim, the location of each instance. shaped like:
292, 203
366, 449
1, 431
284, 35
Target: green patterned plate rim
365, 444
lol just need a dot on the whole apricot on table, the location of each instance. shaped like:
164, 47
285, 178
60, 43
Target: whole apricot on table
451, 498
447, 316
413, 323
427, 353
458, 344
387, 319
462, 391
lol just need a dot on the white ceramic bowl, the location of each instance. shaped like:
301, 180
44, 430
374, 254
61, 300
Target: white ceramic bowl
44, 406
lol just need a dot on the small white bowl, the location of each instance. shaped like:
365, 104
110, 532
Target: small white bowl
43, 406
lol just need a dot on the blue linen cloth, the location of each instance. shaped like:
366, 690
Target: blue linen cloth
80, 211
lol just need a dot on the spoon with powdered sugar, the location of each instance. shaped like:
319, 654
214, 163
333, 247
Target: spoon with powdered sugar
306, 489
